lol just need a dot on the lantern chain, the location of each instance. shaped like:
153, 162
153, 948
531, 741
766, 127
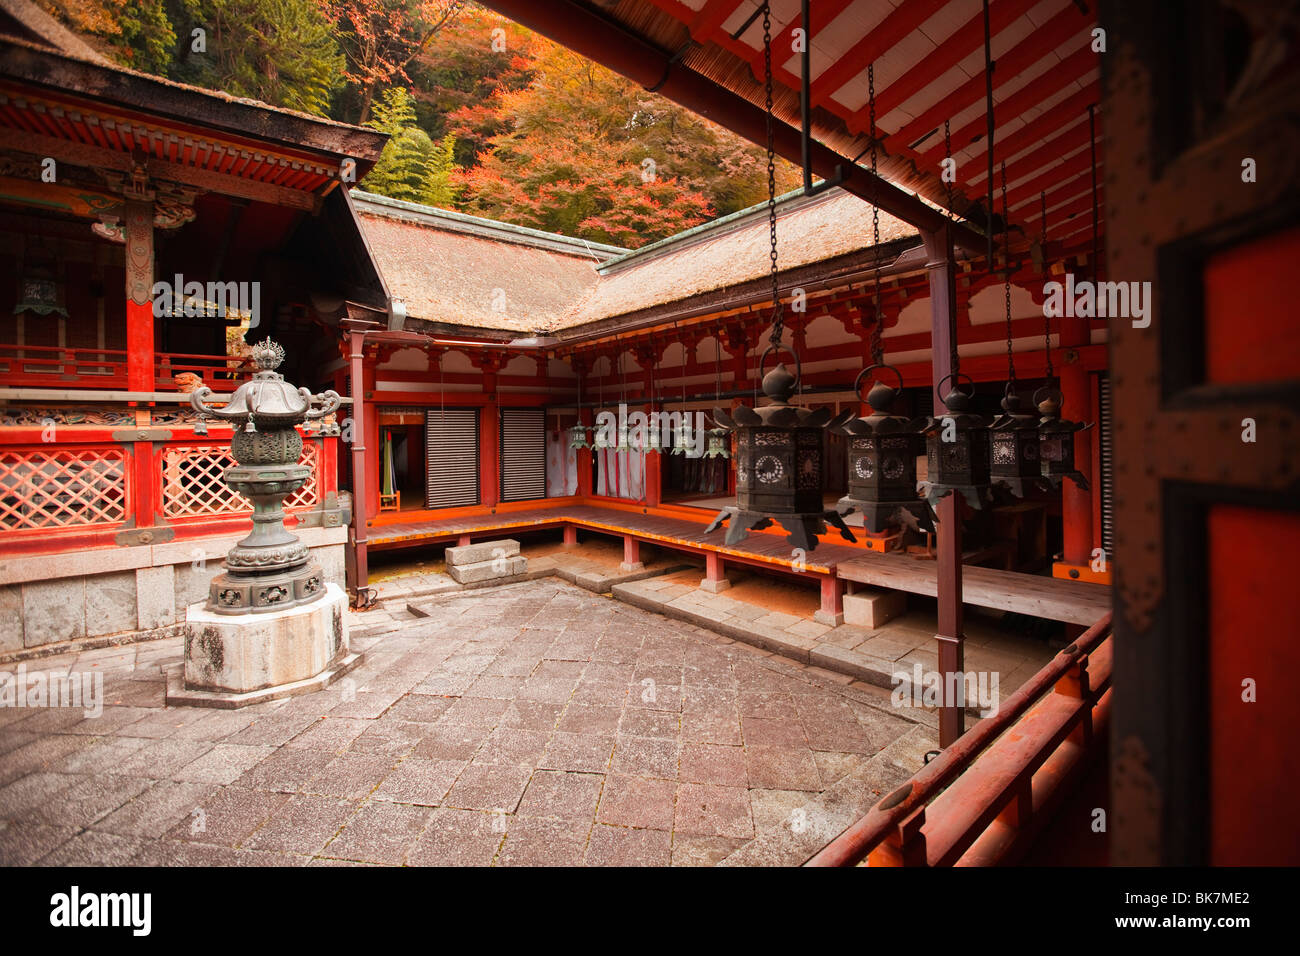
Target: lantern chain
877, 332
955, 359
778, 311
1006, 275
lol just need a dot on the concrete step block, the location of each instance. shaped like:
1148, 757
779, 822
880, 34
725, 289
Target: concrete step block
488, 570
483, 551
873, 607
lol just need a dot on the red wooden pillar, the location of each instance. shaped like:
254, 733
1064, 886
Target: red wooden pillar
570, 536
370, 411
654, 459
832, 610
358, 565
631, 555
1077, 504
139, 290
463, 540
489, 429
584, 457
738, 347
943, 304
715, 576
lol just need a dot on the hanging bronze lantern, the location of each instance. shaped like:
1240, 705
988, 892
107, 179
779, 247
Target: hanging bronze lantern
1056, 440
719, 445
779, 465
40, 288
882, 462
780, 462
578, 437
957, 448
1013, 446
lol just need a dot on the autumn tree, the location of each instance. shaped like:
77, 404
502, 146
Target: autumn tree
455, 78
586, 152
136, 33
412, 166
382, 37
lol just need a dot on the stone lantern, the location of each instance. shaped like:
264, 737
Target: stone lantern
272, 625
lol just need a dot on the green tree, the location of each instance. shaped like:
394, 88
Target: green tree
136, 33
412, 166
282, 52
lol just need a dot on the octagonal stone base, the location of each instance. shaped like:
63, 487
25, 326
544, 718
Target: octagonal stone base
234, 660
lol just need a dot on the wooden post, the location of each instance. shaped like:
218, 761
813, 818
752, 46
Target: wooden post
570, 536
139, 290
490, 434
1076, 504
358, 566
715, 577
463, 540
943, 304
631, 555
831, 612
370, 412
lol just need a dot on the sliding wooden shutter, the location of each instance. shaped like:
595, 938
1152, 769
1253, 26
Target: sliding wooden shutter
523, 454
451, 444
1105, 458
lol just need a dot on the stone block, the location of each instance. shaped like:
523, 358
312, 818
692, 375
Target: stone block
11, 617
484, 551
239, 653
53, 611
155, 594
873, 608
110, 603
331, 559
192, 582
487, 570
714, 585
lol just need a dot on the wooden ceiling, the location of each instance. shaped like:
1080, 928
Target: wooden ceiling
929, 64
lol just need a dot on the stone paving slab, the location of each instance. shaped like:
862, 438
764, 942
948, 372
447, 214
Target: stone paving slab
882, 658
533, 724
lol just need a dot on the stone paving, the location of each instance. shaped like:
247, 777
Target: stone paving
533, 724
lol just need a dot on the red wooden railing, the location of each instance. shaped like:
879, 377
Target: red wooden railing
982, 801
66, 487
44, 366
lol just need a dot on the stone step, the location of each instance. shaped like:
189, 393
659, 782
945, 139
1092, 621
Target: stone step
500, 567
467, 554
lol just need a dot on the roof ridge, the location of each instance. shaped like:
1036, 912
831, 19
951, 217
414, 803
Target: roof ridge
437, 217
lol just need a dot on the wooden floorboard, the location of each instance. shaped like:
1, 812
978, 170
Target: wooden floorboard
681, 532
1074, 602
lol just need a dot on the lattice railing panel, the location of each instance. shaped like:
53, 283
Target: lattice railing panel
63, 488
193, 485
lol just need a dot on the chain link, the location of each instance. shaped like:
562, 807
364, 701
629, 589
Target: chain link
778, 311
1006, 274
954, 358
878, 330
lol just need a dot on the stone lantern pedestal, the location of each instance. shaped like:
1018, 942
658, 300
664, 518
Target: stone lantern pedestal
237, 660
271, 627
